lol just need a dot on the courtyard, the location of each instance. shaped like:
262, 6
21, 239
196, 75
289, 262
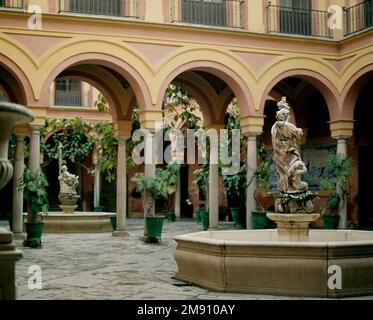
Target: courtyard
102, 267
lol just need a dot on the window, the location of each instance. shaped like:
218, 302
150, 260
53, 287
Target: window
368, 13
207, 12
98, 7
295, 17
68, 93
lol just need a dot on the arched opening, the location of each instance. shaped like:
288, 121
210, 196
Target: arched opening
311, 113
10, 87
364, 154
212, 95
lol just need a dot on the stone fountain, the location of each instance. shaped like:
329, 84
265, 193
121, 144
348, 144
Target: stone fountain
68, 195
290, 261
10, 115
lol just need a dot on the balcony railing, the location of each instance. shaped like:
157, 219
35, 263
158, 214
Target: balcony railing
218, 13
11, 4
113, 8
68, 98
297, 21
358, 17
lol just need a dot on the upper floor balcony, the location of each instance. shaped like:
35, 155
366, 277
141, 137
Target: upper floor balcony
298, 18
305, 18
219, 13
358, 17
12, 4
113, 8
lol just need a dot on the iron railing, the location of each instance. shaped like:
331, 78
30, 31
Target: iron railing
358, 17
113, 8
71, 98
218, 13
11, 4
298, 21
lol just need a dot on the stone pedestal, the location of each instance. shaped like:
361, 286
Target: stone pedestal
68, 208
293, 227
8, 258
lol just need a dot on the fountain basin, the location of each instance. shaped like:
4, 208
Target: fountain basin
255, 262
78, 222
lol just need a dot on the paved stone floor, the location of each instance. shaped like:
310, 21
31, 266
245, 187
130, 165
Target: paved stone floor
99, 266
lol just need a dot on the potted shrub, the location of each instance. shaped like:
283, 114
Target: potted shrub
337, 172
162, 185
262, 176
201, 177
235, 189
36, 197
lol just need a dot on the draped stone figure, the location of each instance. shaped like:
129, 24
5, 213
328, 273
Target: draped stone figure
293, 195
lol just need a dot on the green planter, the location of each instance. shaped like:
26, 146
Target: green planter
198, 216
237, 218
171, 217
260, 220
331, 221
34, 232
155, 226
113, 221
205, 219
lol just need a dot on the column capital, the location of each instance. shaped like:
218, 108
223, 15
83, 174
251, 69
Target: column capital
341, 129
217, 127
35, 129
252, 125
40, 113
151, 119
122, 128
122, 140
21, 131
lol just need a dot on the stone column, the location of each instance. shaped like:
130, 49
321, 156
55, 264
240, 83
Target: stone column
96, 181
213, 190
18, 173
341, 130
342, 210
251, 188
177, 198
251, 126
34, 160
121, 188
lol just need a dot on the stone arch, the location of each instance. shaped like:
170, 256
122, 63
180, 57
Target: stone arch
352, 90
110, 56
323, 84
14, 82
118, 99
220, 64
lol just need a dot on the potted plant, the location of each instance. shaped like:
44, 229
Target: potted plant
262, 177
36, 197
201, 182
235, 189
337, 171
162, 185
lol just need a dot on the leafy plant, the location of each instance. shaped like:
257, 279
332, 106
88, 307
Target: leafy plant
336, 175
162, 184
235, 187
101, 103
34, 193
201, 180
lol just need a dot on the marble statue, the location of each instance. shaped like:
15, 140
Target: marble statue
68, 181
68, 195
293, 195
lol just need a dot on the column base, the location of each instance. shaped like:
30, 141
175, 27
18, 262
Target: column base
213, 229
120, 234
19, 236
